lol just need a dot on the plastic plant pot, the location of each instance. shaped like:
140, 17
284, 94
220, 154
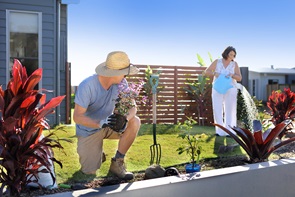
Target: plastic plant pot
189, 168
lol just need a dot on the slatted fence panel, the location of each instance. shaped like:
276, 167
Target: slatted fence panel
174, 104
274, 87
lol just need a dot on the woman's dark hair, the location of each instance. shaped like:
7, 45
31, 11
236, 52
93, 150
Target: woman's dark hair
227, 51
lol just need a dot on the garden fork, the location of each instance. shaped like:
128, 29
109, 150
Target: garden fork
155, 148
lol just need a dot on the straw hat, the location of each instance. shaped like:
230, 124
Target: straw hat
117, 63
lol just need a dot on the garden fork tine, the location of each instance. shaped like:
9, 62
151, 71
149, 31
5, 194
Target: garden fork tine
155, 149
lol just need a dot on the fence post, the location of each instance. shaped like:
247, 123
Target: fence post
175, 94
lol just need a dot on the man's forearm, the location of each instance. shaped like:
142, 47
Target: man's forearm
87, 122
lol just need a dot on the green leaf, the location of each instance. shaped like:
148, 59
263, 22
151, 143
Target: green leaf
201, 61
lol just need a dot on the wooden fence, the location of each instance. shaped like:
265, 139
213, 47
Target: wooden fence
174, 104
274, 87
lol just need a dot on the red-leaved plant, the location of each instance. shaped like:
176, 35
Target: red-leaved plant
282, 107
22, 120
258, 144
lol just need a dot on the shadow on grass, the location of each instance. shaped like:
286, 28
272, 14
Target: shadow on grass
147, 129
225, 146
80, 177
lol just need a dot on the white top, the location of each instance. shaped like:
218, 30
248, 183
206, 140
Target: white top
230, 69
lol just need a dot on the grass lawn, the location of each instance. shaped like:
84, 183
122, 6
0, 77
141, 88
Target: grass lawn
138, 157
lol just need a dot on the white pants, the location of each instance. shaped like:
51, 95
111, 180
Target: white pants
225, 109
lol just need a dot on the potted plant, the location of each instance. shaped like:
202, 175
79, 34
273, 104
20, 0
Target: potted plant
127, 97
192, 146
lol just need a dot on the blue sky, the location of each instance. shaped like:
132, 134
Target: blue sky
172, 32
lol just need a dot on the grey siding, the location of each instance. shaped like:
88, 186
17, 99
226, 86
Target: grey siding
63, 60
2, 46
53, 70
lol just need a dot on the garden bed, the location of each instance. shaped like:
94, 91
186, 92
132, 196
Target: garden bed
287, 151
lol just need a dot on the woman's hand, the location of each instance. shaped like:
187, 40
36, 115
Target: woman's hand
229, 75
216, 74
235, 76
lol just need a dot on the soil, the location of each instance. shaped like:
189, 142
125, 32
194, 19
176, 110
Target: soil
286, 151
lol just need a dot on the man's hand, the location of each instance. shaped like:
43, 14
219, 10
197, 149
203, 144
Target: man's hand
116, 122
103, 123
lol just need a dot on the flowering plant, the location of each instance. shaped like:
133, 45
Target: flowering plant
127, 96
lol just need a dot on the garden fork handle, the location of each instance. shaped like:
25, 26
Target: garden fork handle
154, 117
154, 81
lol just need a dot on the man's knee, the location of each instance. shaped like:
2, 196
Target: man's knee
134, 123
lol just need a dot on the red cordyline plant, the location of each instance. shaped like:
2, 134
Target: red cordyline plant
22, 120
258, 144
282, 107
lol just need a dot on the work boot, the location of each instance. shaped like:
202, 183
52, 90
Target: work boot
118, 168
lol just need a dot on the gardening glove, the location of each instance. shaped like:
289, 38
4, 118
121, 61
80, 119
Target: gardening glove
116, 122
103, 123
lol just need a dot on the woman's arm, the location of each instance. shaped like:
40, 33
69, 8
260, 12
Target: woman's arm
210, 71
237, 75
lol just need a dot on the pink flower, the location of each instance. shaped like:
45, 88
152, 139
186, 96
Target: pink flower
126, 96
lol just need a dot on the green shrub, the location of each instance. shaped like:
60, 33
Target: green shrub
72, 101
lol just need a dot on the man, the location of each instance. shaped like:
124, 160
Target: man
93, 114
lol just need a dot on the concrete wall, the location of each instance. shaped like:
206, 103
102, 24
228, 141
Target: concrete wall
274, 178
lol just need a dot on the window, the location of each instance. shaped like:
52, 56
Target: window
24, 39
273, 81
254, 88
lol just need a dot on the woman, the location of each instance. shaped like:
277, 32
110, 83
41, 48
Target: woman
226, 73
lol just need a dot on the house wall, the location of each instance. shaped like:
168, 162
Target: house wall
2, 45
291, 79
52, 64
245, 77
262, 80
253, 76
265, 78
63, 60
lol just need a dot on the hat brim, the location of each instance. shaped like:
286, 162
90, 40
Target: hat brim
103, 70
